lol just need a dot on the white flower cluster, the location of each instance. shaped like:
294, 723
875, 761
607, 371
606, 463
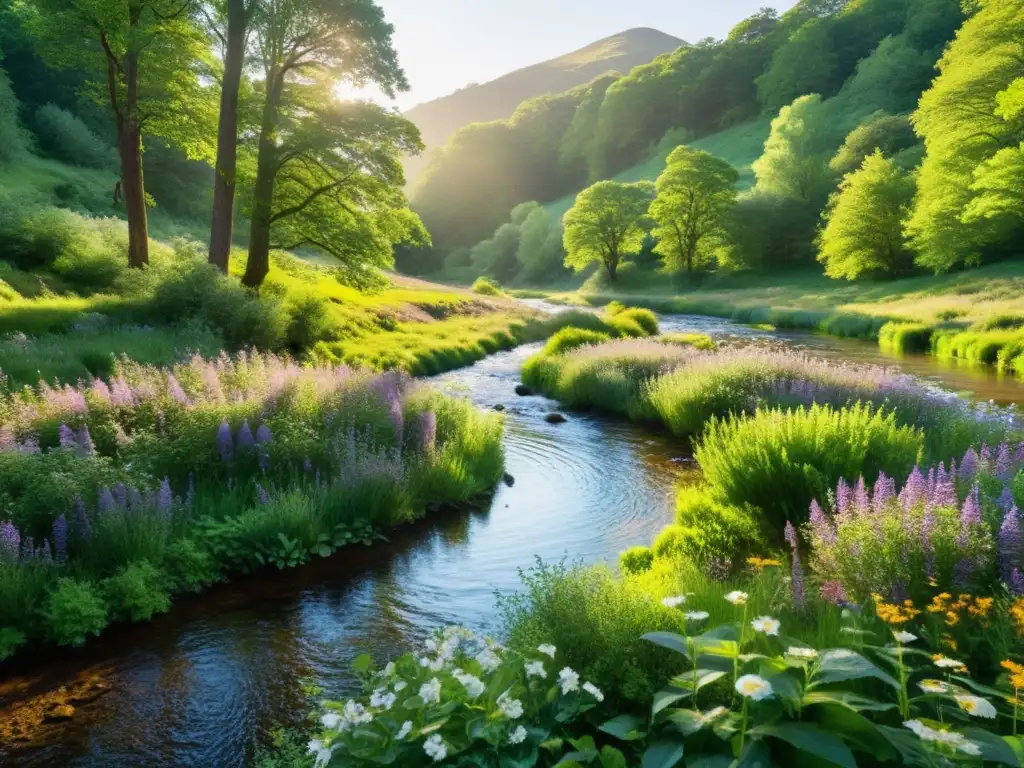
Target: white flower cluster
536, 669
352, 715
569, 680
804, 654
431, 692
474, 685
511, 708
435, 748
951, 739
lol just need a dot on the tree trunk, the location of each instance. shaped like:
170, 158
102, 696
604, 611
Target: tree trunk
611, 265
257, 265
227, 138
129, 146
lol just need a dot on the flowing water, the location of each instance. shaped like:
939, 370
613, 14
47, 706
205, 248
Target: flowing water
197, 686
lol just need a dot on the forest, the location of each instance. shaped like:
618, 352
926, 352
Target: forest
670, 421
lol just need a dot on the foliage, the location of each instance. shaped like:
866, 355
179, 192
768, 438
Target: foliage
893, 135
540, 246
863, 233
485, 286
137, 592
73, 611
780, 460
695, 195
571, 338
769, 230
644, 318
607, 223
905, 337
496, 257
64, 136
14, 140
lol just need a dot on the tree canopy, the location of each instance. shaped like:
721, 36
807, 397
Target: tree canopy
608, 222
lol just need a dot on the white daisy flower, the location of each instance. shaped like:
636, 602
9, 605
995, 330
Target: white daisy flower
435, 748
517, 736
947, 663
569, 680
673, 602
696, 615
977, 706
593, 690
737, 598
932, 686
536, 669
547, 649
754, 687
431, 692
903, 637
766, 624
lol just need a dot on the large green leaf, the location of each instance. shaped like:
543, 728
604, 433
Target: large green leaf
625, 728
910, 747
663, 753
811, 739
993, 748
670, 640
855, 729
612, 758
841, 664
984, 690
846, 699
755, 755
709, 761
666, 697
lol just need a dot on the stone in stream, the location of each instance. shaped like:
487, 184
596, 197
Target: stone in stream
509, 480
523, 391
499, 407
555, 418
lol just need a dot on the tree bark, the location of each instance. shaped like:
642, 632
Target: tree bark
257, 264
129, 147
611, 265
227, 138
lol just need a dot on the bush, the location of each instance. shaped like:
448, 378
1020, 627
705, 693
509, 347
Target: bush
614, 307
63, 136
644, 318
136, 592
780, 460
636, 560
905, 337
720, 531
73, 611
487, 286
696, 340
570, 338
189, 566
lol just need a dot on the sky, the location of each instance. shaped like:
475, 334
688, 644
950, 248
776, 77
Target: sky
444, 45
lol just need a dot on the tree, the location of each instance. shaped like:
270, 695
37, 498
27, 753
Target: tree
496, 256
330, 158
967, 121
892, 134
13, 138
796, 154
696, 192
807, 63
863, 233
540, 245
607, 222
149, 57
769, 232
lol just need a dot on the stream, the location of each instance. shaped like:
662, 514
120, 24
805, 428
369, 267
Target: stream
199, 685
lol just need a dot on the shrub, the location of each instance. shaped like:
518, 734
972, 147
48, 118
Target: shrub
487, 286
65, 137
779, 460
614, 307
646, 319
905, 337
189, 566
73, 611
570, 338
696, 340
136, 592
636, 560
720, 531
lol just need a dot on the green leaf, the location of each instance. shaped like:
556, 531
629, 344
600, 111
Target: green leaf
709, 761
624, 728
840, 664
756, 755
812, 739
911, 749
993, 748
854, 728
612, 758
363, 663
666, 697
847, 699
984, 690
670, 640
664, 753
323, 550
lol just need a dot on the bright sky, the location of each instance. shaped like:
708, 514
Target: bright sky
444, 45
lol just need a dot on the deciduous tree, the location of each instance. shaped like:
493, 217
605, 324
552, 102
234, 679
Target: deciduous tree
607, 222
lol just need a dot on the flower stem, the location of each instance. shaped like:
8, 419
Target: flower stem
743, 727
693, 661
904, 703
1016, 701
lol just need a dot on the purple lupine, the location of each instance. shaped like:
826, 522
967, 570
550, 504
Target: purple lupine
943, 493
67, 437
1017, 582
834, 592
1009, 543
914, 491
1003, 462
986, 454
164, 497
799, 589
844, 497
174, 389
84, 441
428, 430
263, 435
60, 538
789, 533
120, 494
261, 495
884, 493
106, 501
1018, 455
1005, 500
822, 527
970, 513
929, 484
225, 445
83, 528
135, 503
10, 542
244, 441
861, 499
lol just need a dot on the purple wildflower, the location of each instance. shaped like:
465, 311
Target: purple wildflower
121, 393
244, 441
1005, 500
106, 502
861, 499
83, 528
84, 441
844, 497
789, 533
885, 493
970, 513
1017, 582
175, 390
135, 502
833, 592
1003, 462
67, 437
821, 526
261, 495
428, 430
943, 493
1009, 543
164, 498
60, 538
914, 491
224, 442
10, 541
120, 494
986, 454
1018, 455
263, 435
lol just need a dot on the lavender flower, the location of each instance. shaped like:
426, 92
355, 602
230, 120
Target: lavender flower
261, 495
844, 497
1017, 582
135, 503
120, 494
821, 526
175, 390
914, 491
428, 430
10, 541
84, 441
1018, 455
970, 513
106, 502
885, 493
67, 437
1009, 543
164, 498
861, 500
789, 533
224, 442
1003, 462
263, 435
1005, 500
244, 441
83, 528
986, 455
60, 538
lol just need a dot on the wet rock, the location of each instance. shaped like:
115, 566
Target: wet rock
509, 480
89, 693
499, 407
523, 391
59, 714
555, 418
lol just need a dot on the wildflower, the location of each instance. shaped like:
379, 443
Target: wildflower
431, 692
225, 445
1010, 543
435, 748
754, 687
488, 660
914, 490
427, 423
822, 527
382, 699
903, 637
175, 391
884, 493
593, 690
766, 624
511, 708
1002, 469
261, 495
1016, 673
244, 441
164, 499
673, 602
968, 465
932, 686
844, 497
82, 526
323, 753
948, 738
804, 654
944, 662
517, 736
84, 441
263, 435
536, 669
474, 685
833, 592
789, 533
1017, 613
404, 730
976, 706
737, 598
547, 649
569, 680
760, 563
10, 542
891, 613
354, 714
331, 720
60, 538
696, 615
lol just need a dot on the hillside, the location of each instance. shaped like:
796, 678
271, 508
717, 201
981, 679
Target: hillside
497, 99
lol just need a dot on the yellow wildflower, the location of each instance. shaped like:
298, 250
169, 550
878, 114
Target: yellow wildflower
949, 642
1016, 673
1017, 613
891, 613
763, 562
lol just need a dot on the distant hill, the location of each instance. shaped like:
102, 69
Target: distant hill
498, 99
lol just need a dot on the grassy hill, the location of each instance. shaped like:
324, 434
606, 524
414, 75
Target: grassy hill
739, 145
498, 99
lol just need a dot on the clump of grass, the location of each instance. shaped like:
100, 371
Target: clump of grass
644, 318
979, 347
779, 461
903, 338
699, 341
570, 338
487, 286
